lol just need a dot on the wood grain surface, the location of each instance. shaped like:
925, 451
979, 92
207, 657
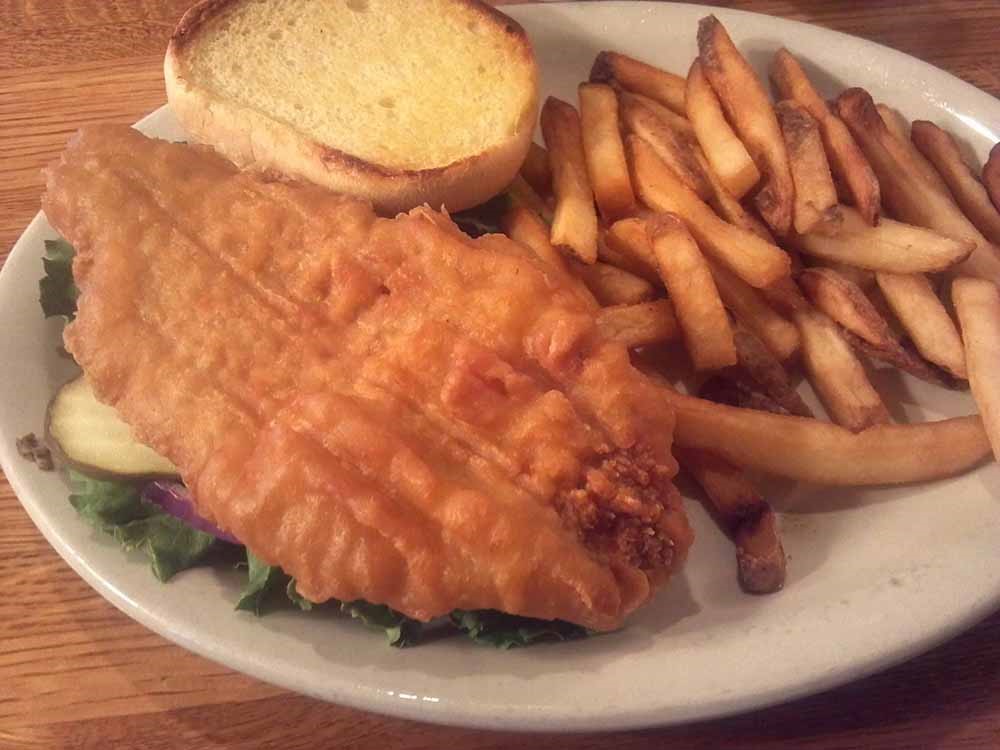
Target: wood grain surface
76, 673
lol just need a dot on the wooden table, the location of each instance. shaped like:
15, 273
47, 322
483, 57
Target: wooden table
75, 673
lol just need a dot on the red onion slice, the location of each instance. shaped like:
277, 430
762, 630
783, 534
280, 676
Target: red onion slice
175, 499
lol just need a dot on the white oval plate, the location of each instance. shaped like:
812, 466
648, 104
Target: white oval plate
874, 576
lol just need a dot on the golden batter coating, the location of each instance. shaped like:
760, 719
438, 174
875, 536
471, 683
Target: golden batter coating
389, 410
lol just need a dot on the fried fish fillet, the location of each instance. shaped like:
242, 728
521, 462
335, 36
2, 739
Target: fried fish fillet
386, 408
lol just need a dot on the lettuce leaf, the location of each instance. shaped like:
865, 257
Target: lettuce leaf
399, 629
296, 598
264, 579
169, 543
57, 292
484, 218
500, 630
117, 508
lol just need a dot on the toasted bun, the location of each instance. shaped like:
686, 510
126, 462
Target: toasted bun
400, 103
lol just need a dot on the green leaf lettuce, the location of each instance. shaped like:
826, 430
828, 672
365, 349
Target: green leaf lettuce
484, 218
57, 290
171, 545
262, 580
399, 629
117, 508
500, 630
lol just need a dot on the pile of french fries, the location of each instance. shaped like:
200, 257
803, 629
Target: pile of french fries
772, 239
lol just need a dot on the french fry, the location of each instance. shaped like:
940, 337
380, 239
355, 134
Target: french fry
725, 152
750, 308
860, 277
536, 171
753, 259
603, 150
791, 82
891, 246
680, 124
614, 286
641, 78
900, 128
739, 392
708, 335
522, 194
906, 360
523, 225
836, 374
808, 450
845, 303
970, 194
847, 162
991, 176
726, 205
880, 303
743, 514
760, 558
785, 296
864, 327
906, 191
683, 154
925, 319
815, 204
898, 125
894, 137
639, 325
574, 223
760, 370
977, 303
610, 255
796, 260
679, 156
626, 245
748, 107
